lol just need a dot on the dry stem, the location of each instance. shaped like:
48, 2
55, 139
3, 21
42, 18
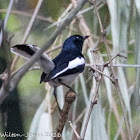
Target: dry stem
27, 31
69, 99
115, 82
93, 102
136, 138
75, 132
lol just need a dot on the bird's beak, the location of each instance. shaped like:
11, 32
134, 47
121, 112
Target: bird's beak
85, 37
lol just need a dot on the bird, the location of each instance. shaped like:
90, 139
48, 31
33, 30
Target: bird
64, 68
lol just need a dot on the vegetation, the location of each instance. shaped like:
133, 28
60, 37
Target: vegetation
108, 100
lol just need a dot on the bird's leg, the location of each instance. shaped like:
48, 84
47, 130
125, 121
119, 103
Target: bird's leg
70, 88
55, 95
65, 85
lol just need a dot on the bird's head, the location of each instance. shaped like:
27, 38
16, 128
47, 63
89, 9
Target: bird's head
74, 42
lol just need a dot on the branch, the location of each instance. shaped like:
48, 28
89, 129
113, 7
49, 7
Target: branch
3, 25
30, 25
54, 49
1, 32
105, 65
75, 132
136, 138
23, 13
93, 102
69, 99
115, 82
95, 69
116, 65
79, 117
100, 4
8, 13
6, 75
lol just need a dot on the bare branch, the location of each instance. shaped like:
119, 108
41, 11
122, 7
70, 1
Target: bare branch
1, 31
28, 31
117, 65
75, 132
69, 99
54, 49
107, 63
115, 82
6, 75
23, 13
79, 117
3, 25
116, 113
95, 69
8, 13
93, 102
136, 138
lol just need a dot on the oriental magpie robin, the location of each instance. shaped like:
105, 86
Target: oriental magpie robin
64, 68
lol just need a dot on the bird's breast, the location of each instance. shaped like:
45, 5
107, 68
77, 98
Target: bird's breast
67, 80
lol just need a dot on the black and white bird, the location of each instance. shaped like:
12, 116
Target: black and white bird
63, 69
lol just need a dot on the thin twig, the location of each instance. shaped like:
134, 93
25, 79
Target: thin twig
87, 65
106, 64
109, 122
136, 138
32, 21
3, 25
116, 113
23, 13
80, 116
93, 102
1, 31
53, 49
30, 25
8, 13
6, 47
116, 65
6, 75
75, 132
61, 18
100, 5
94, 69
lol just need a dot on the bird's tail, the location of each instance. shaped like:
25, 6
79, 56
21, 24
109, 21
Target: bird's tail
27, 51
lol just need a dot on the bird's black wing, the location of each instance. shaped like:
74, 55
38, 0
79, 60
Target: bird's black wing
76, 65
55, 71
28, 50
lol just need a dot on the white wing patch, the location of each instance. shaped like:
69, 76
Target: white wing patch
72, 64
76, 62
30, 45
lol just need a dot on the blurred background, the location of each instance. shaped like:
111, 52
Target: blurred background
121, 20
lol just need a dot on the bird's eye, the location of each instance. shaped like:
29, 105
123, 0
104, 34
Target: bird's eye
77, 37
